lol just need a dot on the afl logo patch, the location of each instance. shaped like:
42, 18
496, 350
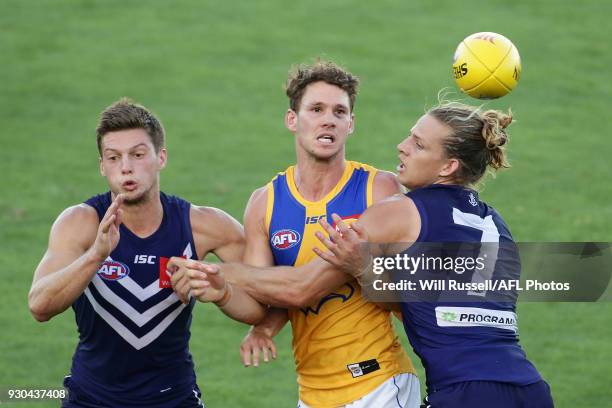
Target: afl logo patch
113, 270
285, 239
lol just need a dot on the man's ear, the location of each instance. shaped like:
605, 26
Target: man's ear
291, 120
450, 168
163, 157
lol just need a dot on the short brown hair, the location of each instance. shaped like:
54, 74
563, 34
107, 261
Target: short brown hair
477, 138
125, 114
303, 75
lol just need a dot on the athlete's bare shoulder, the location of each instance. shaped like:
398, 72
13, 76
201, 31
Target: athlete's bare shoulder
385, 185
393, 219
397, 205
78, 223
216, 231
257, 205
212, 222
80, 212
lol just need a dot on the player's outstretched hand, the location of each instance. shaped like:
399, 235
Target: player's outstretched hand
255, 342
347, 246
107, 237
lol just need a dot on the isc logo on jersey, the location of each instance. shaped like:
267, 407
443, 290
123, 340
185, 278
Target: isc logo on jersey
113, 270
285, 239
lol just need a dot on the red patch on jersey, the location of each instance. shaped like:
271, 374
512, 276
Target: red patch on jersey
164, 276
348, 220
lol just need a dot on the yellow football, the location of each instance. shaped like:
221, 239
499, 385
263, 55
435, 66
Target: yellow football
486, 65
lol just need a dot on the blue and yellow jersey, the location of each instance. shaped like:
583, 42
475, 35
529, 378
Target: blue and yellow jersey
344, 347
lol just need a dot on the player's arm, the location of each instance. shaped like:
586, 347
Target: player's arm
385, 186
269, 285
278, 286
386, 228
258, 253
286, 286
78, 244
292, 287
215, 231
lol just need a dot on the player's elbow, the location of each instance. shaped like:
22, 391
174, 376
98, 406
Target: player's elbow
39, 309
250, 317
39, 313
255, 318
41, 318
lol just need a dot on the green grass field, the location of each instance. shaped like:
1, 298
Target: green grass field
213, 71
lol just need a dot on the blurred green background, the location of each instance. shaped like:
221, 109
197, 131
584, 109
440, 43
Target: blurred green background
214, 72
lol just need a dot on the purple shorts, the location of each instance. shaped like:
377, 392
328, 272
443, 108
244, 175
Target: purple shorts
487, 394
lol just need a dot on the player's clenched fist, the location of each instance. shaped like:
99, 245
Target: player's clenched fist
203, 281
177, 269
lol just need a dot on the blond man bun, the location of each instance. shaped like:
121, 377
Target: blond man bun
477, 139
